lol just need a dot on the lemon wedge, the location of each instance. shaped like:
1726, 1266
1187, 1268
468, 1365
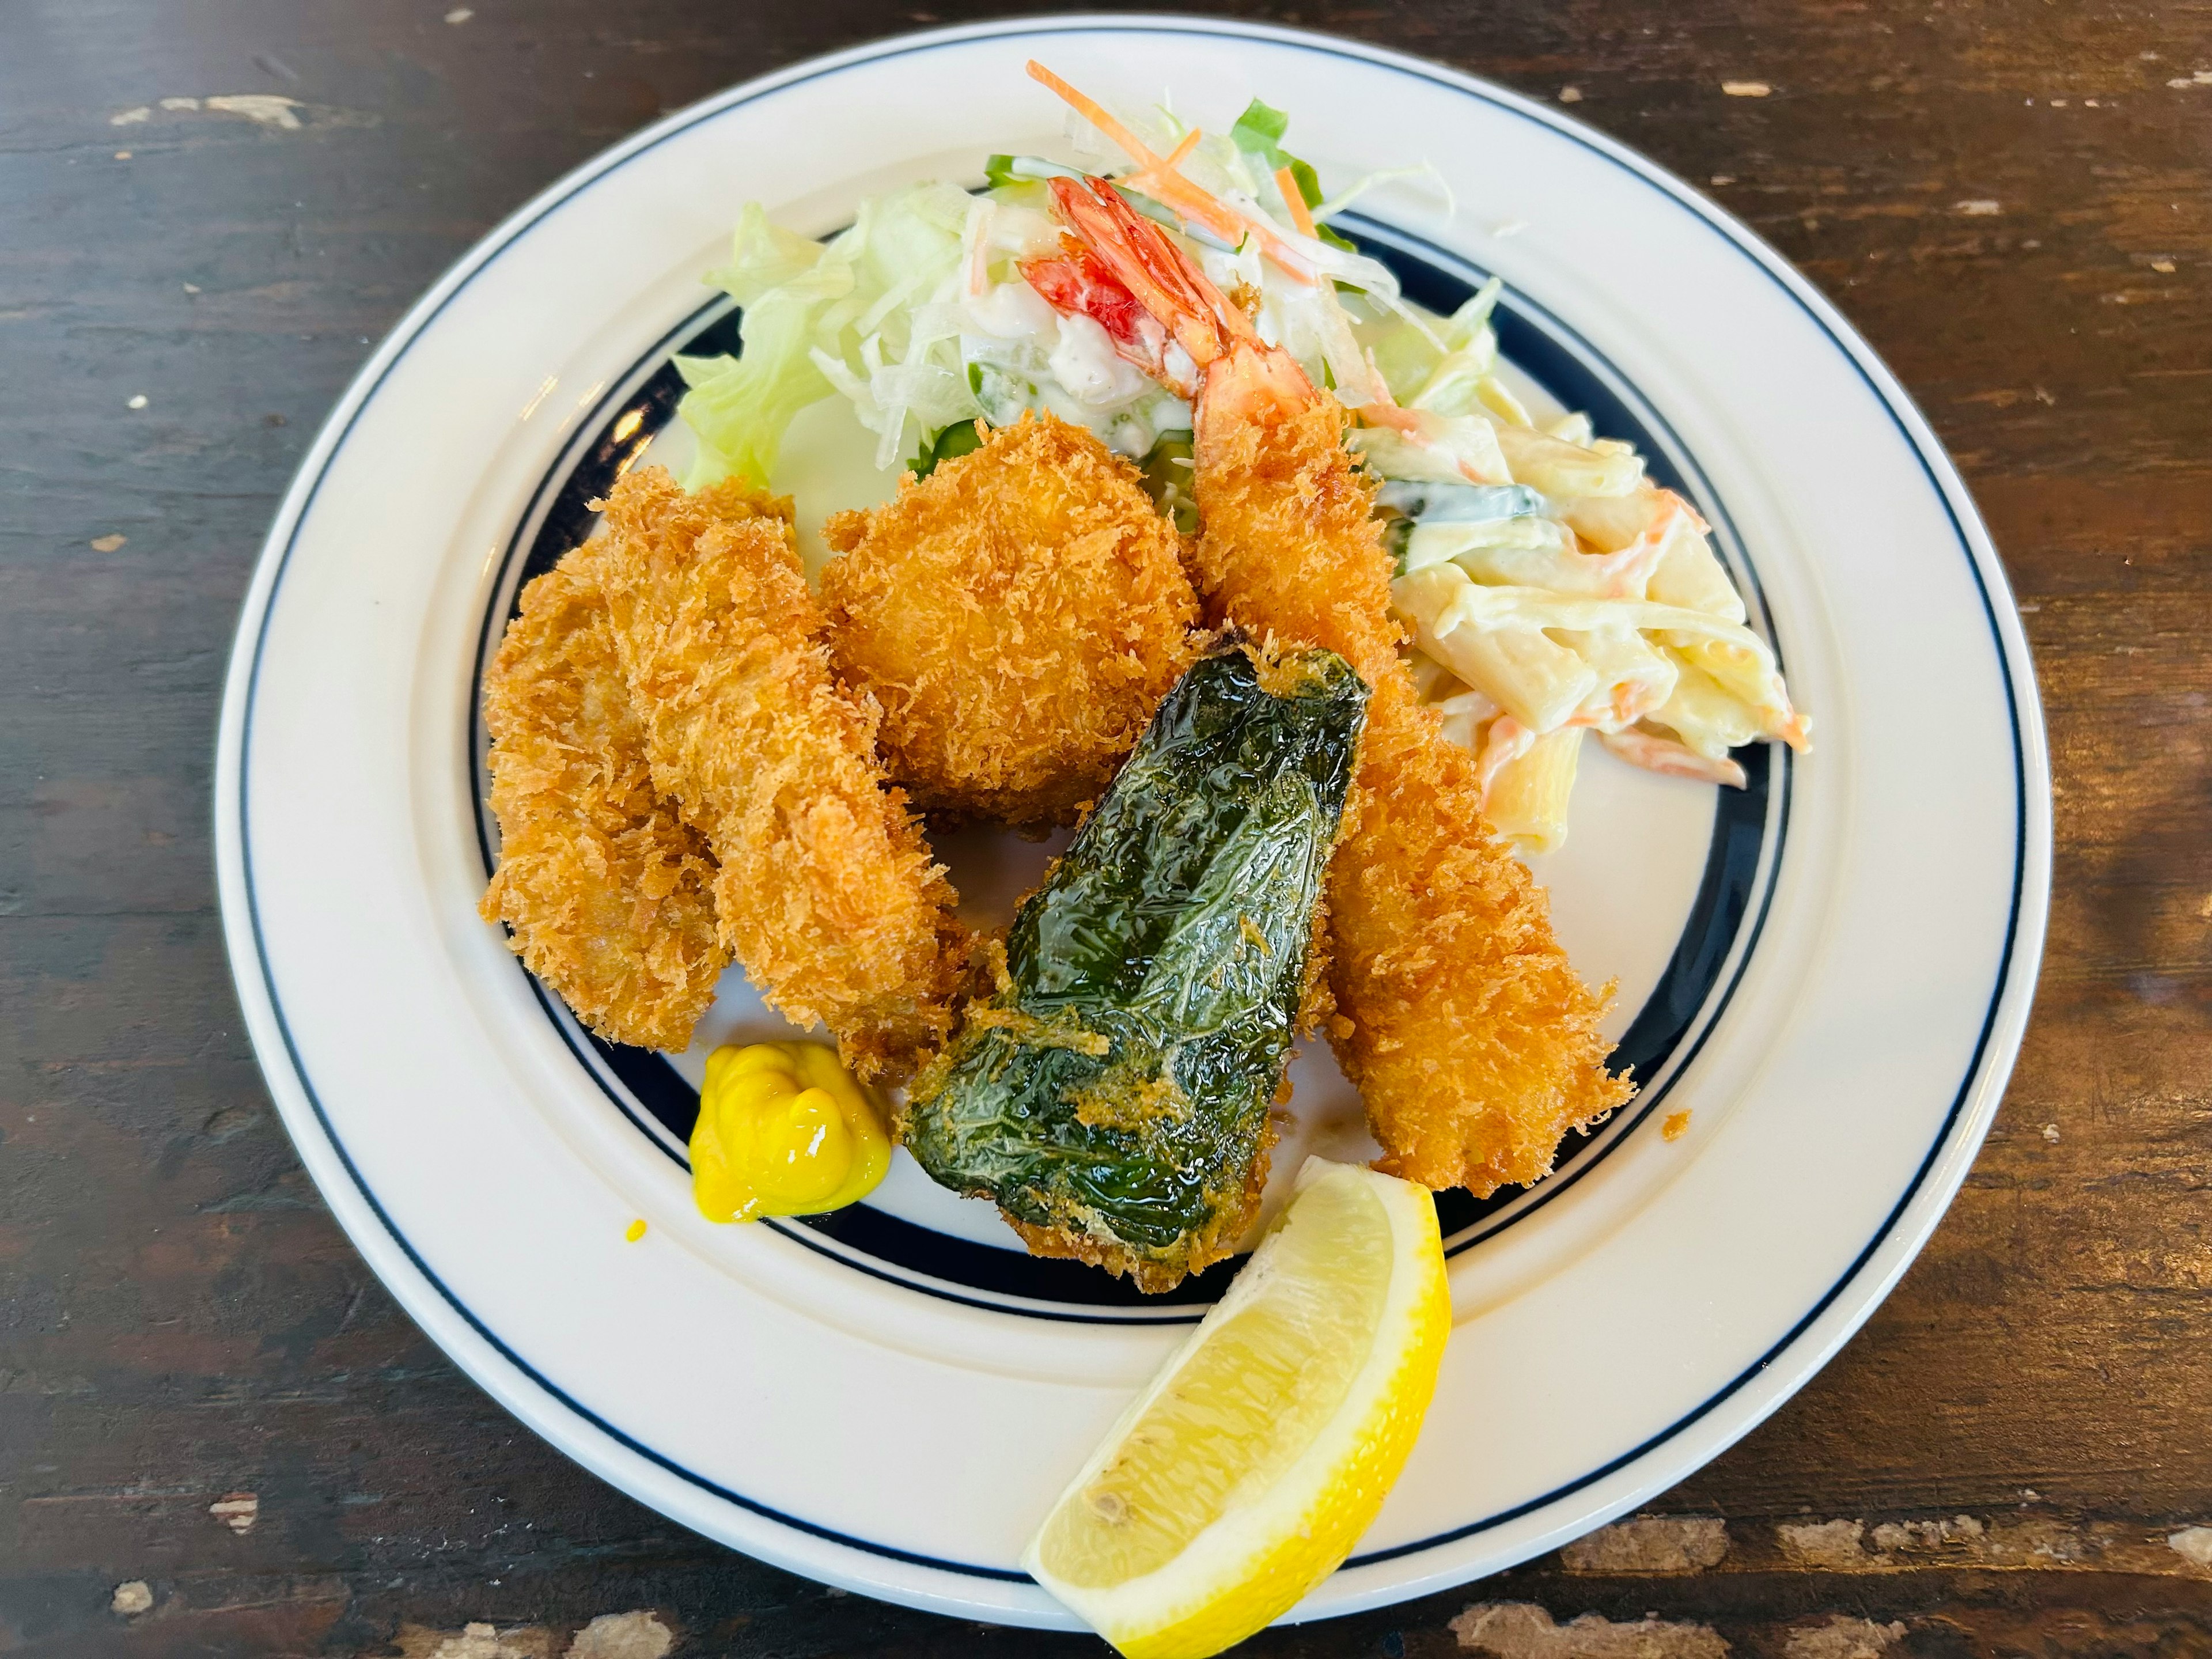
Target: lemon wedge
1250, 1465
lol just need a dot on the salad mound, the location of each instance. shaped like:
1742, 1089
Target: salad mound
1550, 590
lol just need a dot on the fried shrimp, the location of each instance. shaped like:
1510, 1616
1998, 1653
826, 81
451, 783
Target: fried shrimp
826, 891
1019, 614
1474, 1043
604, 890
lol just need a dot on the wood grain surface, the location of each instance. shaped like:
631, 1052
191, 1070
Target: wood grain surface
2012, 199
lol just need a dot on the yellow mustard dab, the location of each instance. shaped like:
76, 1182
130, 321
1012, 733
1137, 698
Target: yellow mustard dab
783, 1129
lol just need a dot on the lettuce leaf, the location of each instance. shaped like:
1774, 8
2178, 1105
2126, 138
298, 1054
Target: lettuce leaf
820, 319
1001, 171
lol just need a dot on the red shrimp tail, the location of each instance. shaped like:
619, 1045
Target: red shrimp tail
1075, 283
1163, 279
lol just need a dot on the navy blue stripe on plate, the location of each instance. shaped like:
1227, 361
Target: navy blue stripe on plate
1739, 240
558, 518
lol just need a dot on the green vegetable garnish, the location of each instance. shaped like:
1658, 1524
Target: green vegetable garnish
1259, 132
1170, 473
961, 438
1113, 1094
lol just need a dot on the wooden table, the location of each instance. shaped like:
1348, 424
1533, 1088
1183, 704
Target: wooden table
209, 1410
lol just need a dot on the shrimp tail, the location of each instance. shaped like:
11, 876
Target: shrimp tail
1158, 273
1163, 313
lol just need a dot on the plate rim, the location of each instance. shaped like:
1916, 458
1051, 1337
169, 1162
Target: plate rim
1890, 1249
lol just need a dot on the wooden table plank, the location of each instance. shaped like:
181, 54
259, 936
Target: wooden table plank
1997, 1465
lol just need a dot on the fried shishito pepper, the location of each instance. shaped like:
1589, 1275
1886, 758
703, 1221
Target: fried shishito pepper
1112, 1094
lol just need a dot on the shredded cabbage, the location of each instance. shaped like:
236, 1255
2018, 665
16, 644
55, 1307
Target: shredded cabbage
840, 316
918, 315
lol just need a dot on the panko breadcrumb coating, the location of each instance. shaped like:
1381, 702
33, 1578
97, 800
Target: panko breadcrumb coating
1472, 1039
603, 888
826, 891
1019, 614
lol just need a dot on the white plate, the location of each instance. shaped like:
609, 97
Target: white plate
1831, 970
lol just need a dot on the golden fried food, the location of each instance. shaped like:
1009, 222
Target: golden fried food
1465, 1027
604, 890
1474, 1043
1019, 614
826, 891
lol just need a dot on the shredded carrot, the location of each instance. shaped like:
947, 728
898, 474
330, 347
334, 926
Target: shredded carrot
1671, 759
1095, 113
1628, 569
1156, 176
979, 258
1404, 421
1506, 741
1295, 199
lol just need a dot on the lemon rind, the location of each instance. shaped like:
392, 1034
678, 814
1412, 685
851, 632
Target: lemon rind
1256, 1561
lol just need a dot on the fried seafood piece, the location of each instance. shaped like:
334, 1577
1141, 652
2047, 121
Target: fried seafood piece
826, 891
1473, 1041
1111, 1088
1019, 614
605, 890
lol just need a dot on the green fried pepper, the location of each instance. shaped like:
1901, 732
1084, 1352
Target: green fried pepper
1112, 1095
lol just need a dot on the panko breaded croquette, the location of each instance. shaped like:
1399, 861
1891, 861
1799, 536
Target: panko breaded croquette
1019, 614
603, 888
826, 892
1474, 1043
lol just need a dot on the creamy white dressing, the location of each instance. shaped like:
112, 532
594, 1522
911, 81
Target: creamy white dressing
1084, 361
1013, 311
